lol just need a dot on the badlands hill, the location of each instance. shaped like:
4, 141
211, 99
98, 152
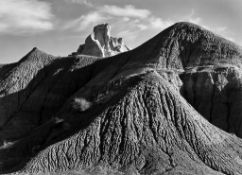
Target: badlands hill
171, 106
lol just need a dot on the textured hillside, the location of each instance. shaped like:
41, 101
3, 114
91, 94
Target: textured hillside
43, 96
152, 110
216, 94
185, 45
148, 128
15, 79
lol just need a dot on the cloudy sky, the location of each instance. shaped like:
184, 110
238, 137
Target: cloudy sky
59, 26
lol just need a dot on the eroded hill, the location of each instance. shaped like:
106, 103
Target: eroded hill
152, 110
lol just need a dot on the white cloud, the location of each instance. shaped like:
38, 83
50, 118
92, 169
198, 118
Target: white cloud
126, 11
126, 19
129, 16
159, 23
134, 24
127, 34
85, 21
220, 30
25, 16
80, 2
192, 18
142, 26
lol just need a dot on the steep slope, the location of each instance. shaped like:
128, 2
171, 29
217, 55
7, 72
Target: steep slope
27, 67
125, 114
139, 133
216, 93
209, 67
44, 95
14, 78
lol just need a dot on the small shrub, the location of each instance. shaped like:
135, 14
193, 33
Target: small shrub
81, 104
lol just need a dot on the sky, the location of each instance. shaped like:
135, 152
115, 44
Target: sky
58, 27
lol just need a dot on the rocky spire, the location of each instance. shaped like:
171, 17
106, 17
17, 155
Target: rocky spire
100, 43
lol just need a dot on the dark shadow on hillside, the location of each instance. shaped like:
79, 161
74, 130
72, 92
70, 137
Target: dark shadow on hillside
219, 106
22, 143
54, 130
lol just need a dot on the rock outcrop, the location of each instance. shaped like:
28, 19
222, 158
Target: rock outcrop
152, 110
101, 44
215, 92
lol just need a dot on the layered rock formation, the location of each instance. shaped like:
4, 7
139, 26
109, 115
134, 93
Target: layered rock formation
216, 93
101, 44
134, 113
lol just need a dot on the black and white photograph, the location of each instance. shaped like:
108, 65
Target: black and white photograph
121, 87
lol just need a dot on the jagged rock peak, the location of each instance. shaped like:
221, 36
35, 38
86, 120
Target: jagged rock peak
100, 43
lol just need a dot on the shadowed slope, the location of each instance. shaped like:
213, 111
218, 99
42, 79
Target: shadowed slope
137, 130
16, 77
44, 95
